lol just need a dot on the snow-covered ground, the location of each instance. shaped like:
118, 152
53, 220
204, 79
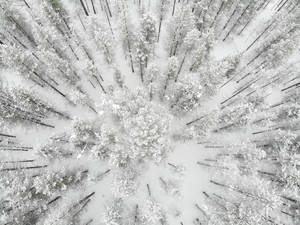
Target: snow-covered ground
151, 142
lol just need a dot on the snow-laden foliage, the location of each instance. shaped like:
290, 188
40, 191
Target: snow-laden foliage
149, 112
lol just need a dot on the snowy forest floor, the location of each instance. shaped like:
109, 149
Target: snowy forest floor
178, 183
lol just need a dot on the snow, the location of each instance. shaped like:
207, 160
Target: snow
179, 204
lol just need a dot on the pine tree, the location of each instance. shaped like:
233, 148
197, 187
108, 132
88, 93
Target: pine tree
152, 75
178, 28
170, 73
103, 38
145, 43
127, 34
162, 9
185, 95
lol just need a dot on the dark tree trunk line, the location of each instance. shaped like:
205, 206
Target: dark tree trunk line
237, 21
84, 8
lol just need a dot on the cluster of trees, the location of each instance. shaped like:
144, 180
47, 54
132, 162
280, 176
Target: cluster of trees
257, 176
17, 106
137, 131
149, 213
70, 48
33, 191
46, 49
144, 124
128, 130
261, 182
224, 18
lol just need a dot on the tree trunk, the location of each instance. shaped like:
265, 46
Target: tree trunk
231, 16
181, 65
108, 8
54, 200
130, 55
108, 21
136, 214
84, 8
236, 94
7, 135
220, 9
259, 36
159, 28
23, 168
102, 88
196, 120
26, 4
101, 5
173, 9
93, 5
141, 71
175, 49
250, 72
149, 191
81, 22
237, 21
